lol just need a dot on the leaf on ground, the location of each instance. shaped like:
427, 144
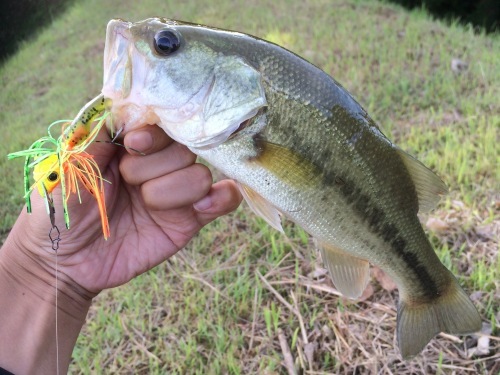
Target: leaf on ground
309, 350
483, 343
489, 231
384, 280
317, 273
458, 66
367, 293
436, 225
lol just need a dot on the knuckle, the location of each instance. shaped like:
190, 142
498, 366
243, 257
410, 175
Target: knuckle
148, 193
184, 155
129, 170
230, 196
235, 197
125, 167
203, 176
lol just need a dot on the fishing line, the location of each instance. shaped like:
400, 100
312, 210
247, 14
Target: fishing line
112, 142
55, 238
57, 308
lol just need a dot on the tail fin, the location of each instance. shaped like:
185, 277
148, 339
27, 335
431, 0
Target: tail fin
452, 312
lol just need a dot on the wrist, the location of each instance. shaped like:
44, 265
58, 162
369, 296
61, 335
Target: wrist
28, 316
32, 268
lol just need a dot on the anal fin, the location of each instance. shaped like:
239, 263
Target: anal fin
261, 207
350, 274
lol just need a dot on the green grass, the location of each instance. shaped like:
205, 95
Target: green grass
207, 310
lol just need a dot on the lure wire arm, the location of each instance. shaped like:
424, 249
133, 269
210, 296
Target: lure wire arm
54, 233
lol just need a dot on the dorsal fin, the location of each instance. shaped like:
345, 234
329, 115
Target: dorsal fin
261, 207
429, 186
350, 274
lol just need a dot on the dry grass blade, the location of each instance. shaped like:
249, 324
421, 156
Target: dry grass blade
254, 319
301, 320
205, 282
295, 311
287, 355
276, 294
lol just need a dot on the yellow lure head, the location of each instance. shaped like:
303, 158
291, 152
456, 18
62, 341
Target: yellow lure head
47, 173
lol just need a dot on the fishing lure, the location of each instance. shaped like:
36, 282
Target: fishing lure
64, 161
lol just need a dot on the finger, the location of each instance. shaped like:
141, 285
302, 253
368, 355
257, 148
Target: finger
138, 169
147, 140
177, 189
101, 149
223, 197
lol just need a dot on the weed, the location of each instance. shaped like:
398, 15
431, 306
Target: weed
207, 310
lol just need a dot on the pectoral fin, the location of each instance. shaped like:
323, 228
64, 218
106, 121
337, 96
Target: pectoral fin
288, 165
350, 275
261, 207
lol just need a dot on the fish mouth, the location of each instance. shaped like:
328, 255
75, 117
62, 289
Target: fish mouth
117, 77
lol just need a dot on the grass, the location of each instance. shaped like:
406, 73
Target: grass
240, 295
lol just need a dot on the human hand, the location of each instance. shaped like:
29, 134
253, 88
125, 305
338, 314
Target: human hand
156, 204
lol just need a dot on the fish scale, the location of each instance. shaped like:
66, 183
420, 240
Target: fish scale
299, 145
278, 130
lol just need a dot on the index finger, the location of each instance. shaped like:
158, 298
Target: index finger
147, 140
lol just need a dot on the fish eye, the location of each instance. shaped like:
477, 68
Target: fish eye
53, 177
167, 42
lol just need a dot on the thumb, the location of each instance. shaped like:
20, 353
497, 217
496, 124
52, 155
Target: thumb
223, 197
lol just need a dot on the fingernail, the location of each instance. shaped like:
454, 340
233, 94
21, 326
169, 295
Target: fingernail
140, 141
203, 204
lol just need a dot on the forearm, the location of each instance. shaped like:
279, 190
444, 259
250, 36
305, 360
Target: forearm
28, 342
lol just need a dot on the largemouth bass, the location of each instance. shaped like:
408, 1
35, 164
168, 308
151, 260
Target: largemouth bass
299, 146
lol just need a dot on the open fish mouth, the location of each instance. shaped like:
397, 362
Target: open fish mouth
117, 67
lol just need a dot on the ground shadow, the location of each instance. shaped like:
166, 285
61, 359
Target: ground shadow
22, 19
482, 14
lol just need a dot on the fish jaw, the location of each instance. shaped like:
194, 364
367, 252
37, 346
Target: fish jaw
124, 78
198, 96
117, 69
